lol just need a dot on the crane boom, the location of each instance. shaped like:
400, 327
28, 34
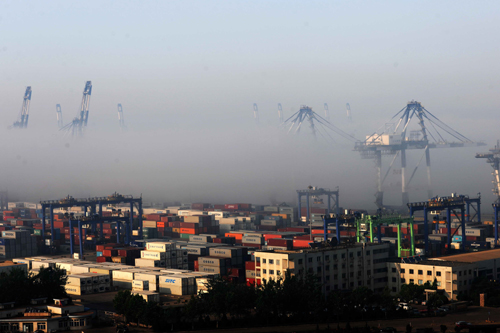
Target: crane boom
59, 116
84, 109
25, 110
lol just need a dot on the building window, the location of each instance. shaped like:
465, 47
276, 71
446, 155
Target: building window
264, 271
327, 258
359, 283
318, 269
343, 275
369, 272
359, 253
335, 267
335, 276
368, 252
41, 326
271, 271
277, 261
438, 273
318, 259
420, 272
271, 261
429, 272
310, 259
470, 272
327, 267
343, 266
310, 270
263, 260
394, 269
351, 255
460, 273
411, 271
343, 255
300, 261
412, 281
420, 282
394, 289
394, 279
403, 280
334, 257
327, 278
351, 274
402, 270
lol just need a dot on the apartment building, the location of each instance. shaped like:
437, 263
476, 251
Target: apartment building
337, 268
453, 274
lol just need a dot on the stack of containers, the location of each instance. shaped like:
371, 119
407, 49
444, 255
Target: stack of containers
140, 285
17, 243
163, 254
153, 279
250, 272
214, 265
124, 278
87, 283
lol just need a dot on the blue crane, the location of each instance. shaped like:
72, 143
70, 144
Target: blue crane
77, 125
22, 121
121, 120
60, 123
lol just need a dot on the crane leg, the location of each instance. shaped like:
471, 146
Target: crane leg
428, 162
379, 196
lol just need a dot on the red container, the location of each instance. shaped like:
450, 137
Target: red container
188, 225
288, 243
103, 259
250, 282
219, 207
249, 265
196, 266
232, 206
110, 253
301, 243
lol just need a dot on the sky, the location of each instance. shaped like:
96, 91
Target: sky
188, 72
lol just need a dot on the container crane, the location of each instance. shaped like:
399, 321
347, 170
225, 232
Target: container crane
121, 120
493, 158
348, 109
327, 112
59, 116
77, 125
317, 123
395, 141
256, 112
22, 121
280, 113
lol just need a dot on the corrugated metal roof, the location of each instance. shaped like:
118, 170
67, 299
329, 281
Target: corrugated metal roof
473, 256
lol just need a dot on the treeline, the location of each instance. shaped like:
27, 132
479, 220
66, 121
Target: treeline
19, 287
287, 300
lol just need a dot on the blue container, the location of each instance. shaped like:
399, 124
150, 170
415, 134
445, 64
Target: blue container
457, 238
99, 253
2, 241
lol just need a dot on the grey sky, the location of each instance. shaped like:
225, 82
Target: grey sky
188, 72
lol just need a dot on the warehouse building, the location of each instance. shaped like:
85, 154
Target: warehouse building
454, 274
340, 267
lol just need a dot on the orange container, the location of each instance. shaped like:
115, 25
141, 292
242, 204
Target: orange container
190, 231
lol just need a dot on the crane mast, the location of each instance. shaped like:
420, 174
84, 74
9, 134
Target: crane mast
59, 116
121, 121
280, 113
84, 109
25, 110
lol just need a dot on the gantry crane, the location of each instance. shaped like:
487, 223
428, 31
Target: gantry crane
60, 123
327, 112
317, 123
396, 141
121, 120
493, 158
22, 121
77, 125
280, 113
256, 112
348, 110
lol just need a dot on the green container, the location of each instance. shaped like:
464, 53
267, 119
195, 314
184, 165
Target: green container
38, 232
184, 236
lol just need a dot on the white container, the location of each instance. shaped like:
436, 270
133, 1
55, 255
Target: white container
148, 296
153, 255
139, 262
159, 246
140, 285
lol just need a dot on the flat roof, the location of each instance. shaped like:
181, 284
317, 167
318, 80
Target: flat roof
446, 263
472, 256
10, 263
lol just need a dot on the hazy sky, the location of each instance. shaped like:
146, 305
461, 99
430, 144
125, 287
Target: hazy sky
188, 72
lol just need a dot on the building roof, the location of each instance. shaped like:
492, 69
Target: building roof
446, 263
472, 256
10, 263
